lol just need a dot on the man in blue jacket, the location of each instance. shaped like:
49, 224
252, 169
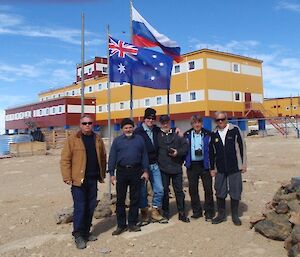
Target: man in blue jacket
197, 164
227, 155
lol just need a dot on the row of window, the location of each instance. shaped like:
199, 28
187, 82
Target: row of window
53, 110
287, 108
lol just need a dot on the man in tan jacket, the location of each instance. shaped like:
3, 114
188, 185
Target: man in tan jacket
83, 164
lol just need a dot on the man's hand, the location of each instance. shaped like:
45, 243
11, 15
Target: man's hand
145, 176
173, 153
244, 169
178, 132
68, 182
213, 173
113, 180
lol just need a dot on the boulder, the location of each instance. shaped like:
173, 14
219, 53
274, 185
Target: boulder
65, 215
295, 234
282, 208
295, 218
294, 205
294, 251
281, 219
102, 210
273, 230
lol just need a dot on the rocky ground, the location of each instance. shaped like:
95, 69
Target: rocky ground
32, 191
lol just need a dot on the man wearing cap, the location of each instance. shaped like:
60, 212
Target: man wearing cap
171, 152
128, 157
227, 154
83, 163
197, 164
149, 131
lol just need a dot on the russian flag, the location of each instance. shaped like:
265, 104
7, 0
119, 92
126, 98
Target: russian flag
144, 35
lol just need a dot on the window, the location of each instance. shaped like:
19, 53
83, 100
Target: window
100, 108
47, 111
177, 68
46, 97
287, 108
192, 96
147, 102
53, 109
104, 69
99, 86
178, 98
59, 109
90, 89
73, 92
295, 107
67, 93
53, 96
237, 96
158, 100
121, 106
90, 70
192, 65
236, 67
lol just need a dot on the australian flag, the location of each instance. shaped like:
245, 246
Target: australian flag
138, 66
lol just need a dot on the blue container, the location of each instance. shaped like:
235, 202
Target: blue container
117, 127
234, 122
242, 125
261, 124
5, 140
207, 123
172, 123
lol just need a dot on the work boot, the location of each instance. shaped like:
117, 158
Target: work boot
90, 237
183, 217
157, 217
144, 217
119, 231
221, 217
80, 242
235, 212
134, 228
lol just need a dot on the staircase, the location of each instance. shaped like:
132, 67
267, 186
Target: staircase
275, 122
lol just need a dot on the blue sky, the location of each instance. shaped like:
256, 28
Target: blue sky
40, 40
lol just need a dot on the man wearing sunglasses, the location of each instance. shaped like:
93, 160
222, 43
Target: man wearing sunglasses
83, 164
227, 154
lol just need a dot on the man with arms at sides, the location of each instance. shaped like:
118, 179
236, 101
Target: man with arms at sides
128, 156
148, 130
83, 164
197, 164
227, 154
171, 152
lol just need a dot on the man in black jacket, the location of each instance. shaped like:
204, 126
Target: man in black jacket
171, 152
227, 154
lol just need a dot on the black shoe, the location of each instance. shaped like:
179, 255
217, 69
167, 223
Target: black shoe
80, 242
119, 231
221, 217
166, 215
209, 216
236, 220
183, 218
235, 212
197, 215
134, 228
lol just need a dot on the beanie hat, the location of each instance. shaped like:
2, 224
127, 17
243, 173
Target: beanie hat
150, 114
127, 121
164, 118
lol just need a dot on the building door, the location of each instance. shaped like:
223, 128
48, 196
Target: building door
247, 101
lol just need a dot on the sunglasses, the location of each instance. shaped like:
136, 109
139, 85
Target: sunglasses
87, 123
218, 120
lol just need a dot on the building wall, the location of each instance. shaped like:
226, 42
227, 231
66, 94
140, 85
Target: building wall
287, 106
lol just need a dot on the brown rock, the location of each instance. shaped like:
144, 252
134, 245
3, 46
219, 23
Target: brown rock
255, 219
295, 218
282, 208
294, 251
294, 205
64, 215
288, 243
295, 234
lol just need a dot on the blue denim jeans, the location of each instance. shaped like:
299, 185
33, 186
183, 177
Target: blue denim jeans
157, 188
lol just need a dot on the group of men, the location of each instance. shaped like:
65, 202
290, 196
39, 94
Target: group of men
155, 154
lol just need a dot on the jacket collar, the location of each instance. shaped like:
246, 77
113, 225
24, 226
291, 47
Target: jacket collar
79, 134
231, 126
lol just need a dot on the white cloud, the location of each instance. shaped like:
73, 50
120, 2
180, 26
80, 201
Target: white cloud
11, 73
11, 24
288, 5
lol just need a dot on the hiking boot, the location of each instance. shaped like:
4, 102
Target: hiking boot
134, 228
80, 242
90, 237
157, 217
197, 215
221, 217
144, 217
183, 217
235, 212
209, 215
119, 231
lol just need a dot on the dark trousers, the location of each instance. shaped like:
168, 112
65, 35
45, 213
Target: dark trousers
85, 200
194, 173
133, 180
231, 184
178, 189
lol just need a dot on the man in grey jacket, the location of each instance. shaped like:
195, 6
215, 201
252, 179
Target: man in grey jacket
171, 152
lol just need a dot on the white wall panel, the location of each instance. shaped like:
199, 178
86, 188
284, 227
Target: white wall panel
215, 64
219, 95
251, 70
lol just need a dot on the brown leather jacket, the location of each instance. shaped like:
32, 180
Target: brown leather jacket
73, 159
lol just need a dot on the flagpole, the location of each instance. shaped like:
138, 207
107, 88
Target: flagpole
108, 109
82, 64
168, 101
131, 87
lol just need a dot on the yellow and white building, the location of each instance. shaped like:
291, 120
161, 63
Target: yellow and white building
204, 82
283, 106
